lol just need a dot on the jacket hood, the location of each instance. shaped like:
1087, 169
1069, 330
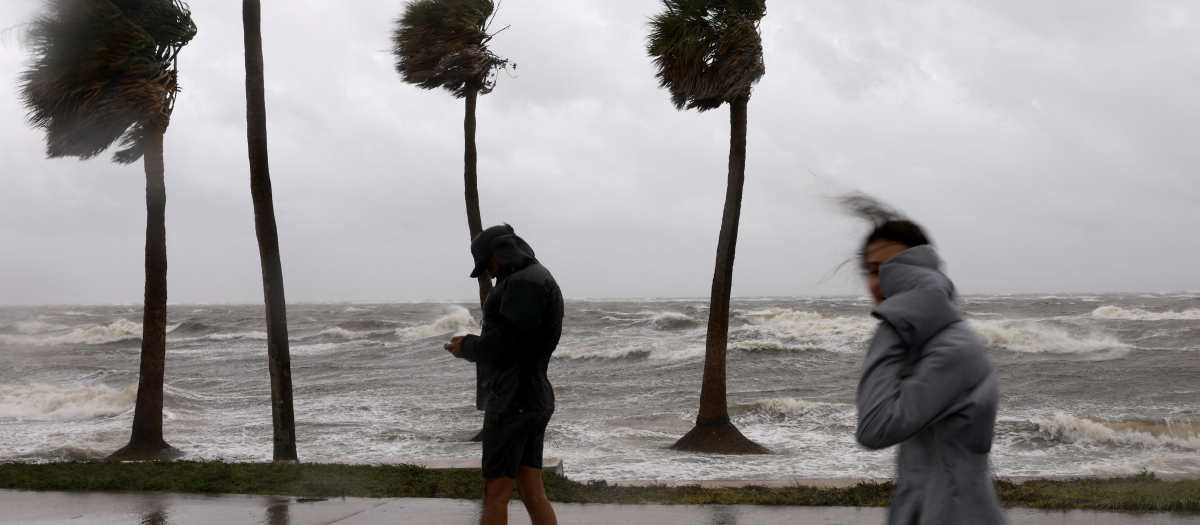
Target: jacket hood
513, 254
918, 295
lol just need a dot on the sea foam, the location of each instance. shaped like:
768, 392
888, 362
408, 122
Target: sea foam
39, 401
1135, 314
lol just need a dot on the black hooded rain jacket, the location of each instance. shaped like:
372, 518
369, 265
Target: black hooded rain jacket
522, 322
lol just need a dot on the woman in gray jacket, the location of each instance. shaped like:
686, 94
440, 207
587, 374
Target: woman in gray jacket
926, 385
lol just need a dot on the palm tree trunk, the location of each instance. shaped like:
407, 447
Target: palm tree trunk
470, 176
713, 431
474, 221
146, 440
279, 361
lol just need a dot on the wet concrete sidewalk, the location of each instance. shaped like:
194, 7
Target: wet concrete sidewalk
153, 508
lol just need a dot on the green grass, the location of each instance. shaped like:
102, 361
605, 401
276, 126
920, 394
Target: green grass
1141, 492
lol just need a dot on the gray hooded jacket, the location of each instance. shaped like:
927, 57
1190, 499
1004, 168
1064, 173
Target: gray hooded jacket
928, 385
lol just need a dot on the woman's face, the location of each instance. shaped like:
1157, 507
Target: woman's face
875, 254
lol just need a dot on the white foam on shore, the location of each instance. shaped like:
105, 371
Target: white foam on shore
458, 322
39, 401
1137, 314
1039, 338
1147, 433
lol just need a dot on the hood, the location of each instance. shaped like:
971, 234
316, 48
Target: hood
513, 254
918, 295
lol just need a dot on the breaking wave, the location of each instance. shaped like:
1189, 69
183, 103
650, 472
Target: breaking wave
1038, 339
788, 406
458, 322
656, 351
239, 335
772, 346
674, 321
39, 401
790, 322
342, 333
35, 327
1135, 314
121, 330
1143, 432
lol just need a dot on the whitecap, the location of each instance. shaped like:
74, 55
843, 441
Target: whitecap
1039, 338
795, 323
120, 330
789, 406
772, 346
343, 333
673, 320
1135, 314
458, 322
40, 401
262, 336
36, 327
657, 351
1150, 433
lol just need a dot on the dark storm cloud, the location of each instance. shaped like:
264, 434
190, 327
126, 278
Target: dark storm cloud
1047, 147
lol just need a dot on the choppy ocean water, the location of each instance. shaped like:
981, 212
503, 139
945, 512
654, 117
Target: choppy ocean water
1090, 384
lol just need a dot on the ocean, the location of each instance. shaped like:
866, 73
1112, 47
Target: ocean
1089, 384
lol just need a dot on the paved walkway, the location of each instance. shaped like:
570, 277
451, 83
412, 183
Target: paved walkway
152, 508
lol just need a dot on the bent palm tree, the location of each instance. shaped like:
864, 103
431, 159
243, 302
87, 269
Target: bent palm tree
279, 362
708, 53
443, 43
105, 71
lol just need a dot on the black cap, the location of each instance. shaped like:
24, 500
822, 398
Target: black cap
481, 246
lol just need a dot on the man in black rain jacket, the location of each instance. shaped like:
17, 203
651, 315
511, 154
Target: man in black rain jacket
522, 322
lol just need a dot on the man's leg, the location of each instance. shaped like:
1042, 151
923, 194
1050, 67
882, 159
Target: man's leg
496, 493
533, 495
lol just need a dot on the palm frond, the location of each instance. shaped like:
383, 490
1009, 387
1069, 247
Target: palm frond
707, 52
101, 71
443, 43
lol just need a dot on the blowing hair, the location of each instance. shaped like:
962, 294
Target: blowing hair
887, 224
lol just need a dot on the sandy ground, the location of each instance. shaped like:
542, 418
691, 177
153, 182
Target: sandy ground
152, 508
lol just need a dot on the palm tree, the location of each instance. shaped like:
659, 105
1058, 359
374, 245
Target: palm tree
443, 43
105, 71
278, 356
708, 53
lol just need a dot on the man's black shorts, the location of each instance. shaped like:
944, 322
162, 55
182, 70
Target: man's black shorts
513, 439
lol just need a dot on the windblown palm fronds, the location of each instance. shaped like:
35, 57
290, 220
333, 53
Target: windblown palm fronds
443, 43
103, 71
707, 51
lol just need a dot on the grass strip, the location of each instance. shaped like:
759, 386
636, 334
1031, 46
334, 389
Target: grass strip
318, 480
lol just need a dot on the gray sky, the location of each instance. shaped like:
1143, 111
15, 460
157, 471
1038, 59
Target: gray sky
1046, 146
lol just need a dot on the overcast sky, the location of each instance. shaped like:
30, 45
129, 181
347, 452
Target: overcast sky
1046, 147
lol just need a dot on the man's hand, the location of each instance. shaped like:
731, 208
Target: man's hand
455, 347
